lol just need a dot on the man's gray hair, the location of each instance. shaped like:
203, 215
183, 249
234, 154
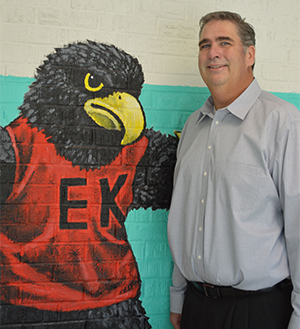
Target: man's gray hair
245, 30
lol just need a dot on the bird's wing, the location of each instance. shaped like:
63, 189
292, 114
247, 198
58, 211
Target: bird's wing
7, 165
153, 182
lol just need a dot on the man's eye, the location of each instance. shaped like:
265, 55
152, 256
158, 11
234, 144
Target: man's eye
225, 43
204, 46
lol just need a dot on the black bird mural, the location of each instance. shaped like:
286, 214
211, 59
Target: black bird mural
73, 164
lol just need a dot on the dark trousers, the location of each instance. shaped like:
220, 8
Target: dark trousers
269, 310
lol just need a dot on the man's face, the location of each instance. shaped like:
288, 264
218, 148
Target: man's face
222, 60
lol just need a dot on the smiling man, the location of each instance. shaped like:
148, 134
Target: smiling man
234, 220
225, 64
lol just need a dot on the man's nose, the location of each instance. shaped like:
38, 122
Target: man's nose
214, 51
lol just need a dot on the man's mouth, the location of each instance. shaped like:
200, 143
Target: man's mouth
216, 66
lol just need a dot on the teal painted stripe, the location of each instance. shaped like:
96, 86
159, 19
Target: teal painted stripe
290, 97
12, 90
168, 107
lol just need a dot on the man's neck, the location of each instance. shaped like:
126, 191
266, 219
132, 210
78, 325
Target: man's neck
223, 97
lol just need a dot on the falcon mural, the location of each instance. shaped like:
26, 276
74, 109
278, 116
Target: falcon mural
73, 164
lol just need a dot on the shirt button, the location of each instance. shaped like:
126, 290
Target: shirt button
209, 147
202, 201
217, 122
199, 257
200, 229
205, 173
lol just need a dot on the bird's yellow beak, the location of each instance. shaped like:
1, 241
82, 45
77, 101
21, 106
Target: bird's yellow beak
119, 111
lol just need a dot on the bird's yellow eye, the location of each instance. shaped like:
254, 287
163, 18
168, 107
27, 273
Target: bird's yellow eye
91, 83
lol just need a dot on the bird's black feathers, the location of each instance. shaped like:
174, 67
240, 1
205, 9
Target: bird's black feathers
154, 176
7, 165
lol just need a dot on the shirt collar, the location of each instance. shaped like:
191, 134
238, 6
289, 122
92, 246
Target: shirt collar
240, 107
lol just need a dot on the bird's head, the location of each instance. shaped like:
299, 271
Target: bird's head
86, 96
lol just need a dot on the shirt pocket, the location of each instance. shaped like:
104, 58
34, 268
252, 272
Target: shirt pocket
239, 185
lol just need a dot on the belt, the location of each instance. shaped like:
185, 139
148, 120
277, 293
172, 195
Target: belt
210, 290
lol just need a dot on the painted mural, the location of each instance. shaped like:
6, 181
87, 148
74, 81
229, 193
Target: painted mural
75, 161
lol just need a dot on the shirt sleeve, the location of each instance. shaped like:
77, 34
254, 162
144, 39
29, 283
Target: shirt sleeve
177, 291
287, 179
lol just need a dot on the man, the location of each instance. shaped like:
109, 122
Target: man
234, 221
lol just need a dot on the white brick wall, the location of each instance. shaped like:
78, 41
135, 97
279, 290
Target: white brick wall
162, 34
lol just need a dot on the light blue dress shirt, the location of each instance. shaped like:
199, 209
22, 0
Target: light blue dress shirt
235, 213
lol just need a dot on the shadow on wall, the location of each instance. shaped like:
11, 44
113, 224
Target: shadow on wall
73, 164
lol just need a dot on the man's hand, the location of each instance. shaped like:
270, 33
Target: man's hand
175, 320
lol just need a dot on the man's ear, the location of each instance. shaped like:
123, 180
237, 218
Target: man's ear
250, 55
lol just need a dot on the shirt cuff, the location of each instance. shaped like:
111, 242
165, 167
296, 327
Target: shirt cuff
176, 301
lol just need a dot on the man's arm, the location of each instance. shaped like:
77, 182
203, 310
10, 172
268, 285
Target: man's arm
286, 175
177, 296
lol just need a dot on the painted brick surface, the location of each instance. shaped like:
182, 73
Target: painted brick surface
65, 197
146, 229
